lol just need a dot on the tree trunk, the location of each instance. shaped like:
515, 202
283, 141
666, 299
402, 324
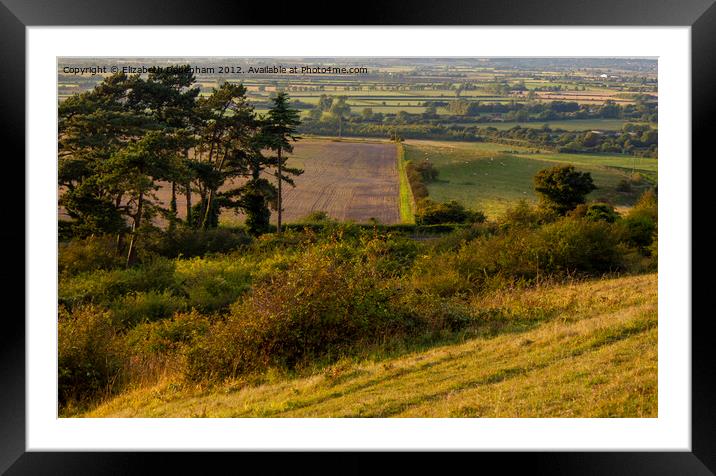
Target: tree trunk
188, 203
212, 192
119, 244
173, 207
132, 254
207, 212
280, 203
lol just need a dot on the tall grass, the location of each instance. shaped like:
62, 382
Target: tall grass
313, 298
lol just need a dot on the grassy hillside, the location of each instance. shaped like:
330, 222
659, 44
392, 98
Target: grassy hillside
491, 177
579, 350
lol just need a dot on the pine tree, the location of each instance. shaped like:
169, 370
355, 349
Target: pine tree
280, 132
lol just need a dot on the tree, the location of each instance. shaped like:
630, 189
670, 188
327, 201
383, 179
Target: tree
92, 126
340, 110
280, 132
255, 196
169, 98
227, 122
562, 188
253, 200
324, 103
136, 169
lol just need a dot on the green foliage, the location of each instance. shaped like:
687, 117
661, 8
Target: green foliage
325, 304
316, 217
90, 355
168, 335
134, 308
523, 215
188, 243
562, 188
211, 285
103, 287
89, 254
596, 212
255, 198
582, 246
415, 179
431, 213
426, 169
639, 227
310, 297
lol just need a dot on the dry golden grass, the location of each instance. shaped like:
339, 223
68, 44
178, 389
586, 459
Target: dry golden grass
580, 350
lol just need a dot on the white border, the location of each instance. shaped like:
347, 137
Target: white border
670, 431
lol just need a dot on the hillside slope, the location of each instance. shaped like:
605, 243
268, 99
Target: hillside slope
583, 350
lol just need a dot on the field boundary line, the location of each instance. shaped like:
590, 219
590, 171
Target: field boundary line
406, 198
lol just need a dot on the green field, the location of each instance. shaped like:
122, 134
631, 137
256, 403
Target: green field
492, 177
593, 353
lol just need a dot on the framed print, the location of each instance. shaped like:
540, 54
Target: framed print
423, 230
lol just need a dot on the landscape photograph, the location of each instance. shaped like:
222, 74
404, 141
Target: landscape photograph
357, 237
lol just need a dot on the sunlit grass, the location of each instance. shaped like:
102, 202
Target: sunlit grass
577, 350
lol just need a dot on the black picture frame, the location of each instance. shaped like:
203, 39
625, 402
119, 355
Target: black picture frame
16, 15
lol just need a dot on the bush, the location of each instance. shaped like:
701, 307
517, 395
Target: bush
134, 308
89, 254
390, 255
431, 213
188, 243
325, 304
638, 230
103, 287
523, 215
212, 284
428, 172
639, 227
521, 255
595, 212
582, 246
316, 217
90, 355
166, 336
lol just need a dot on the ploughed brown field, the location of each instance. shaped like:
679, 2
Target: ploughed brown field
353, 181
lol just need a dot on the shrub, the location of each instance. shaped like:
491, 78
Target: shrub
90, 355
89, 254
135, 308
595, 212
390, 255
574, 245
315, 217
521, 255
523, 215
638, 230
436, 274
324, 305
431, 213
428, 172
453, 241
212, 284
167, 335
188, 243
103, 287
